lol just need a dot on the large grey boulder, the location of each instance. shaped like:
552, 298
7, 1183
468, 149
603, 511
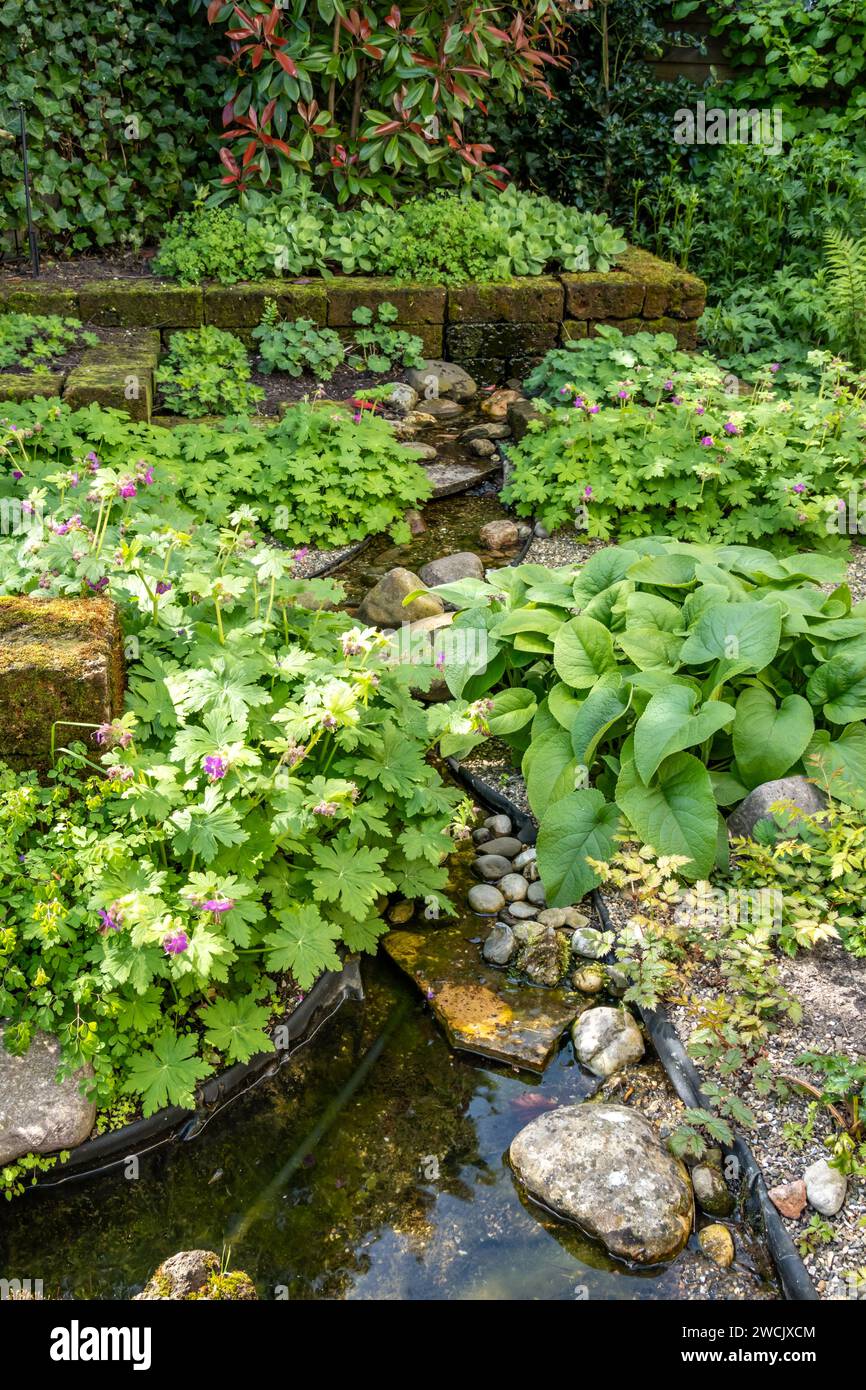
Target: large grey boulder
438, 378
383, 605
463, 564
607, 1039
604, 1167
500, 945
756, 806
38, 1114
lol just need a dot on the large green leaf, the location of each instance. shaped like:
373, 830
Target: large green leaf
769, 738
604, 704
582, 651
742, 638
651, 637
549, 767
677, 814
581, 824
669, 724
511, 710
839, 688
839, 765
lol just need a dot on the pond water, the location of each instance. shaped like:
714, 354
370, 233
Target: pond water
371, 1167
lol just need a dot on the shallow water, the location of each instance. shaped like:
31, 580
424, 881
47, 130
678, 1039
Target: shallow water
371, 1167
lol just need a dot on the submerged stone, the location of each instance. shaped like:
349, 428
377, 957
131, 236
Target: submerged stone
479, 1007
543, 953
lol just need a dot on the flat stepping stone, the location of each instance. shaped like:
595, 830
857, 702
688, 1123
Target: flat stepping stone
480, 1009
450, 478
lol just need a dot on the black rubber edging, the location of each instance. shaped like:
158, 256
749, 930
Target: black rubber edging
683, 1075
172, 1123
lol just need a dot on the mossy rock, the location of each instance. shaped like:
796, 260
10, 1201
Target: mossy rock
24, 297
242, 306
415, 303
141, 346
60, 659
596, 296
120, 384
432, 336
530, 299
669, 290
25, 386
140, 303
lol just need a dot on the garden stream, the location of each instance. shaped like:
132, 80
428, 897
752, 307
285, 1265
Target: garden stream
374, 1164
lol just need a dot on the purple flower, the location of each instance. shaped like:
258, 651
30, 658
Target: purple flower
145, 473
300, 554
17, 474
578, 402
215, 767
112, 736
668, 386
774, 366
676, 400
622, 395
563, 390
120, 773
440, 661
699, 410
98, 585
592, 410
176, 944
587, 491
707, 442
326, 808
799, 487
93, 460
218, 905
126, 488
74, 480
111, 918
163, 586
730, 428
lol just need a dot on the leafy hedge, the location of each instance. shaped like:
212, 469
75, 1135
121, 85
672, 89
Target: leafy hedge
118, 101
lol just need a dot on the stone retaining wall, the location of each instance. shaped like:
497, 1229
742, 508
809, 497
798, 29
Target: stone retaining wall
494, 331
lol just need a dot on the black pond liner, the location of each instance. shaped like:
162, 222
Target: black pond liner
683, 1076
97, 1156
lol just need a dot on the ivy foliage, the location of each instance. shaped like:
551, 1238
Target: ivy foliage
119, 100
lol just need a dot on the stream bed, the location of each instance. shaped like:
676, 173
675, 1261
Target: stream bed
372, 1167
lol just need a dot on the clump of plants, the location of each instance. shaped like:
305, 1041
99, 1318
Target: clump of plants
33, 341
659, 682
191, 864
211, 243
635, 447
446, 237
296, 346
600, 368
321, 476
377, 346
206, 371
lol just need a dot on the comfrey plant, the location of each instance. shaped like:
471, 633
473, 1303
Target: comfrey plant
660, 682
193, 865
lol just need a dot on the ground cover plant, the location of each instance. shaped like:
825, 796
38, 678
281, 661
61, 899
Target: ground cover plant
324, 475
206, 371
645, 439
479, 234
264, 790
674, 677
31, 341
296, 346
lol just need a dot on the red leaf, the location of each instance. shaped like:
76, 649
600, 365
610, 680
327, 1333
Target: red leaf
286, 63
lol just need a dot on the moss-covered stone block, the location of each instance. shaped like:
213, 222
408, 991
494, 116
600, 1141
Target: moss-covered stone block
242, 306
531, 299
24, 386
684, 330
140, 346
593, 295
119, 384
60, 659
432, 336
503, 340
669, 290
415, 303
25, 297
140, 303
572, 329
